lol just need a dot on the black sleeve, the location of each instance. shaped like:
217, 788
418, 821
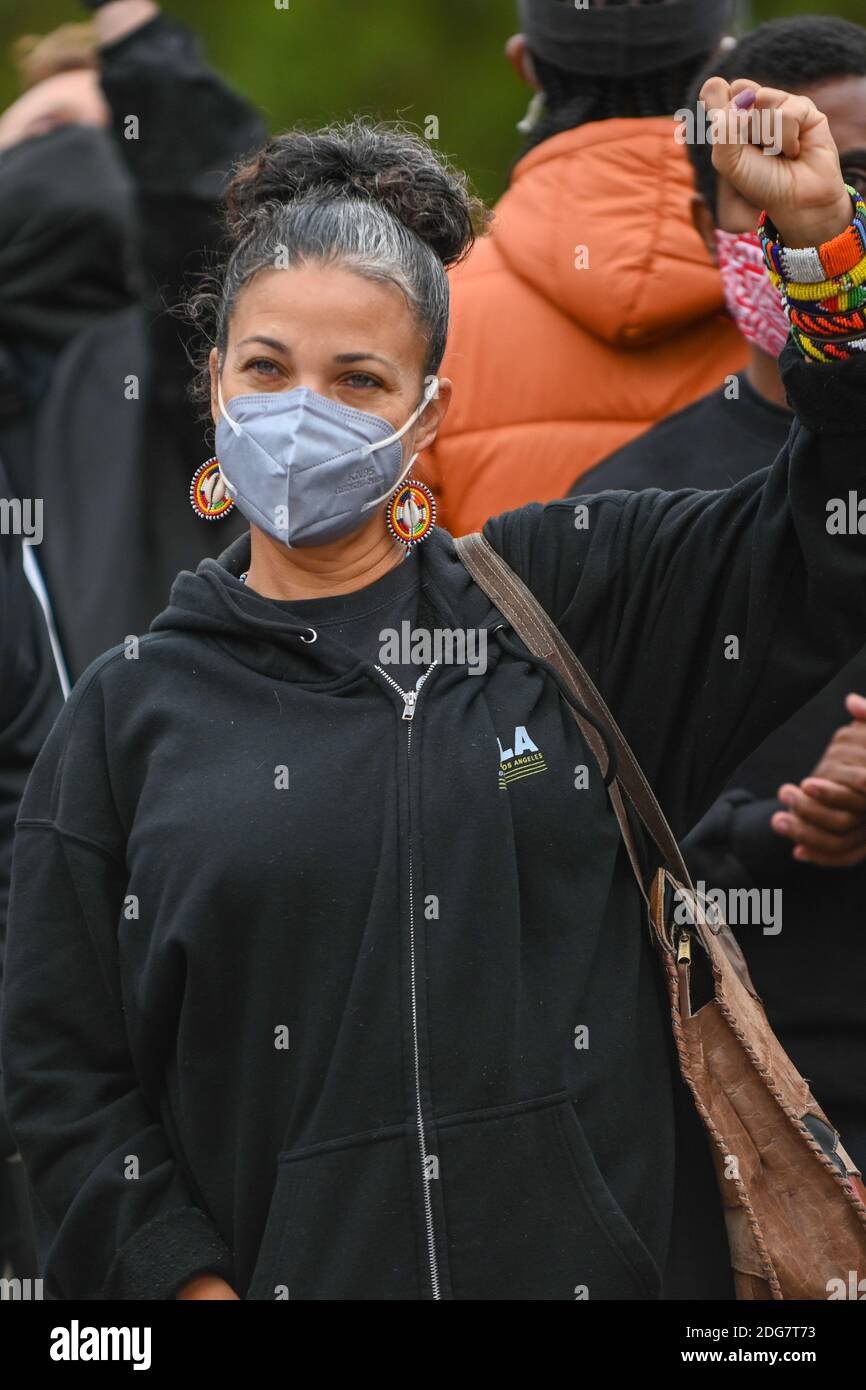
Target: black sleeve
180, 129
733, 845
116, 1214
707, 618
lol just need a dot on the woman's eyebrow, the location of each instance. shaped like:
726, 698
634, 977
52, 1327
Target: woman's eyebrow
268, 342
364, 357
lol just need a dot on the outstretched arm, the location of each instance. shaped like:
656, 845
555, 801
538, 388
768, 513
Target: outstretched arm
706, 619
180, 129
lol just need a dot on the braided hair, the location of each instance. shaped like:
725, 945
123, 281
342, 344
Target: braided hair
573, 100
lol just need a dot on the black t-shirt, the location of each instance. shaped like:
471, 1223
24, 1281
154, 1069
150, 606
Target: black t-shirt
375, 622
711, 444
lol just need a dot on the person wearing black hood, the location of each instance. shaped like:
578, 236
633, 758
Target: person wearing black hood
103, 210
327, 975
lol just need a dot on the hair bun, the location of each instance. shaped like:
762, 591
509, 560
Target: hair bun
385, 164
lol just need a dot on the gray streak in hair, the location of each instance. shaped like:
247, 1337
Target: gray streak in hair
356, 233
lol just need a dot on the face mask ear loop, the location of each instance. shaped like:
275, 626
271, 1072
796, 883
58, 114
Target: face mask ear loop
430, 392
235, 426
406, 471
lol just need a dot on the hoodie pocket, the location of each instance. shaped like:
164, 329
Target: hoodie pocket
341, 1225
529, 1215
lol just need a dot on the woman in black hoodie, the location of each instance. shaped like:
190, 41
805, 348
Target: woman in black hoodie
326, 974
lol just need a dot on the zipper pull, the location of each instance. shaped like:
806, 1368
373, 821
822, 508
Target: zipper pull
684, 970
410, 699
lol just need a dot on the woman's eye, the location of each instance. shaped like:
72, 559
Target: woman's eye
263, 366
361, 379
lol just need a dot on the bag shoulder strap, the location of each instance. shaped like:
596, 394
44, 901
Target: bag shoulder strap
542, 637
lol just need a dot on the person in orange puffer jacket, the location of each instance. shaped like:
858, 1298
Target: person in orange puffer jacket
592, 310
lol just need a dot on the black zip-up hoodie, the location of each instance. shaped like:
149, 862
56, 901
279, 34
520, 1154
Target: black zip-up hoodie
344, 1005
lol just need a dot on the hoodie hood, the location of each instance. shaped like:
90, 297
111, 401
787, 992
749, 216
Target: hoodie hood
621, 189
214, 604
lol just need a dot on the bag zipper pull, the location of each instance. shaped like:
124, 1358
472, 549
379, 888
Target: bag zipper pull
684, 949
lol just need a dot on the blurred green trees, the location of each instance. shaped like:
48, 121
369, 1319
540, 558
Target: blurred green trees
316, 60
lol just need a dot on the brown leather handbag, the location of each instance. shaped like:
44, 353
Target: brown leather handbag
794, 1203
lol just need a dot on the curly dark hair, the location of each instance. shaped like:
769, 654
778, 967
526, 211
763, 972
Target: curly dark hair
374, 197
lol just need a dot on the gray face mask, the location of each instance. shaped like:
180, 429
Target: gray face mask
307, 469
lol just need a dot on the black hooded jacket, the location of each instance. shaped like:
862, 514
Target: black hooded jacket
101, 236
298, 992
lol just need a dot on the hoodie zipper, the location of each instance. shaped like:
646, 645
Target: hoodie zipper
410, 701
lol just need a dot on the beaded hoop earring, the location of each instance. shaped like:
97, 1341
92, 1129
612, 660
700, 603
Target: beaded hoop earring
205, 481
411, 513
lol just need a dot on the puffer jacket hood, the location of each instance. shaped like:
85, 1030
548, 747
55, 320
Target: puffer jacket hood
620, 188
590, 312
